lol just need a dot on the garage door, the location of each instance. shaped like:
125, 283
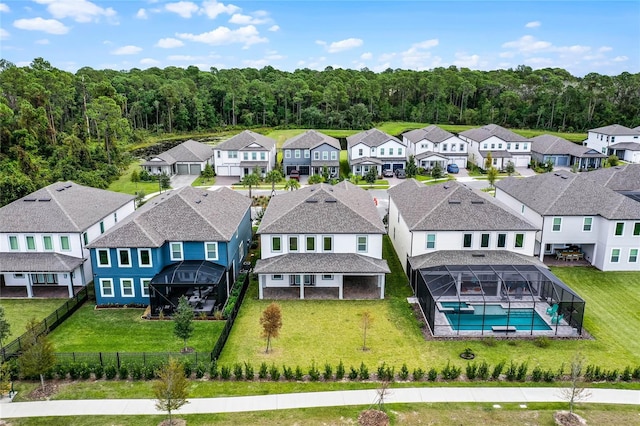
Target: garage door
183, 169
194, 169
397, 166
234, 171
304, 170
289, 169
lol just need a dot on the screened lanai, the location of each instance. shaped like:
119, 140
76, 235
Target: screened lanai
497, 300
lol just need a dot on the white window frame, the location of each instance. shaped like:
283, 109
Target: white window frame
488, 235
307, 153
632, 255
133, 289
613, 250
206, 250
297, 153
327, 277
273, 238
263, 155
498, 240
358, 243
287, 153
636, 229
584, 224
31, 238
427, 241
381, 151
102, 287
171, 256
15, 239
145, 290
360, 152
559, 224
325, 155
470, 240
316, 155
277, 277
331, 240
290, 239
140, 264
306, 243
615, 229
334, 155
63, 237
120, 264
44, 244
101, 265
515, 240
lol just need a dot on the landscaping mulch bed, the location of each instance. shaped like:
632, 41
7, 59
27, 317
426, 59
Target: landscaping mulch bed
373, 418
565, 418
39, 394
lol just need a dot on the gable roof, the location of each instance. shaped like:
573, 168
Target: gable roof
482, 133
188, 151
618, 178
244, 140
569, 194
555, 145
629, 146
309, 140
451, 206
61, 207
317, 263
39, 262
371, 137
472, 257
186, 214
340, 209
616, 130
431, 133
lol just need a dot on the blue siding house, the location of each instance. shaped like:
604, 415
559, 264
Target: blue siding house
310, 152
187, 242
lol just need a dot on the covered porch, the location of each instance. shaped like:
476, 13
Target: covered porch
361, 166
428, 160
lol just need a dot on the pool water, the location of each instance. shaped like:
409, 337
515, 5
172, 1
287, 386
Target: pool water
495, 315
455, 305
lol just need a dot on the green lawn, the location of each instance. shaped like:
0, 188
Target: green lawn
200, 181
124, 184
19, 311
113, 330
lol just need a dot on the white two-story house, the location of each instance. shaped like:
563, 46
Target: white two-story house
503, 144
616, 140
245, 153
43, 236
432, 144
322, 241
574, 210
374, 148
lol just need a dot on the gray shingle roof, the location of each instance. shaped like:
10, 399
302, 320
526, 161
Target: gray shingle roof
188, 152
60, 207
431, 133
340, 209
309, 140
242, 141
568, 194
321, 263
555, 145
615, 130
618, 178
481, 133
496, 154
451, 206
472, 257
371, 137
629, 146
369, 160
427, 154
186, 214
38, 262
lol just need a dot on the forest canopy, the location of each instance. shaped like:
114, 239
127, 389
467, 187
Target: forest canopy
57, 125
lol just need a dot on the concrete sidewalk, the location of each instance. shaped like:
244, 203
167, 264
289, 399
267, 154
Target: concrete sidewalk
310, 399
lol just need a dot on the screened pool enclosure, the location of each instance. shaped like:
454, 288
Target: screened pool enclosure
498, 300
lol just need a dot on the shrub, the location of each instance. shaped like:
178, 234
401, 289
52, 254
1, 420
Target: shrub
136, 372
98, 371
418, 374
521, 375
472, 370
537, 374
74, 371
274, 373
328, 372
314, 373
497, 370
213, 369
636, 373
511, 372
381, 372
548, 376
188, 368
225, 372
287, 372
404, 372
483, 370
263, 371
61, 371
542, 342
450, 372
432, 375
612, 375
110, 372
248, 371
353, 373
298, 375
237, 371
364, 372
200, 370
123, 372
85, 371
149, 372
626, 374
340, 371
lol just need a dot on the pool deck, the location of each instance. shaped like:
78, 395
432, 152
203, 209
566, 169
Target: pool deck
443, 328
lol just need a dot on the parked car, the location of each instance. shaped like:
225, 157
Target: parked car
401, 174
294, 174
453, 168
387, 173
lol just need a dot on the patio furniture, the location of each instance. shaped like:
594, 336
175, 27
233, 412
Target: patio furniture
551, 310
559, 255
556, 318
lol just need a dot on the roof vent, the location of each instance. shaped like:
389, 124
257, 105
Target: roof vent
198, 201
44, 199
205, 194
311, 200
330, 200
564, 177
29, 199
477, 255
312, 189
556, 174
60, 189
68, 186
477, 202
454, 201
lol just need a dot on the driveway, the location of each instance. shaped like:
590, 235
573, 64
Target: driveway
226, 180
178, 181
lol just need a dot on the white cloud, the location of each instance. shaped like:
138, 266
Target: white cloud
184, 58
50, 26
605, 49
126, 50
169, 43
573, 50
142, 14
464, 60
386, 57
527, 44
274, 28
183, 8
539, 61
42, 41
222, 35
4, 34
149, 61
212, 9
4, 7
342, 45
620, 59
533, 24
366, 56
418, 55
79, 10
240, 19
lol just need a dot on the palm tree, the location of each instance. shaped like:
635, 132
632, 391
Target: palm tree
251, 180
291, 184
273, 177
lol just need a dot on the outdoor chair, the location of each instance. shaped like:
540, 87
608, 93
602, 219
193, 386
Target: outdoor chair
556, 318
551, 310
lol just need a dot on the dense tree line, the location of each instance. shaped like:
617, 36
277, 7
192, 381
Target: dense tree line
60, 125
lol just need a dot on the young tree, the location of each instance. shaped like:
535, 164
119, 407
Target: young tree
251, 180
171, 388
325, 173
164, 181
5, 327
576, 391
271, 321
208, 172
135, 177
273, 177
314, 179
510, 168
366, 321
140, 197
436, 172
291, 185
38, 354
412, 169
612, 161
488, 162
183, 321
5, 379
371, 176
492, 175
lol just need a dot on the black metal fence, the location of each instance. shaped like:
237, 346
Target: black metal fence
118, 359
13, 349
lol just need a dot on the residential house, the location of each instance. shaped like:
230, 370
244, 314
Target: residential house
188, 158
503, 144
184, 242
561, 152
624, 179
310, 153
245, 153
374, 148
574, 210
616, 140
322, 241
44, 236
432, 144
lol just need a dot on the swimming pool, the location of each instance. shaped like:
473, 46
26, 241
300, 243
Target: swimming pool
484, 317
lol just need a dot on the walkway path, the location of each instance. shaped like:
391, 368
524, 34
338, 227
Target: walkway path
310, 399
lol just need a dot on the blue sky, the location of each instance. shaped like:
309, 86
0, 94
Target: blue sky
579, 36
